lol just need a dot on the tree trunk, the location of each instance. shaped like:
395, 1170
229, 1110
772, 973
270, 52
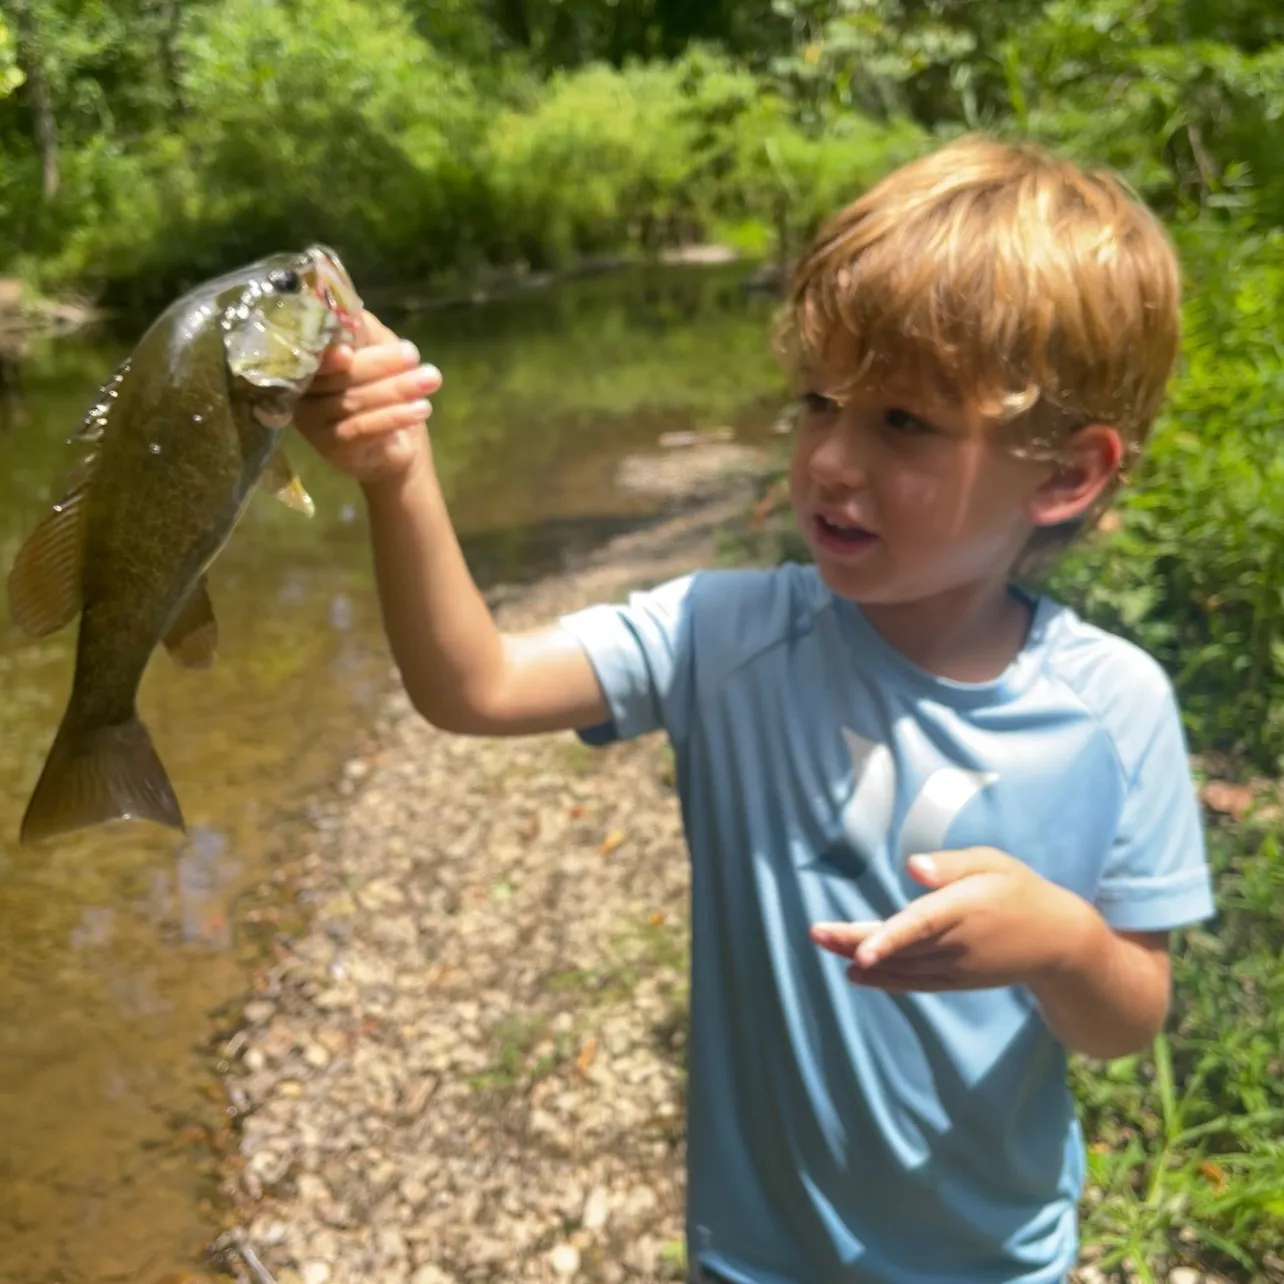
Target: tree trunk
45, 124
170, 17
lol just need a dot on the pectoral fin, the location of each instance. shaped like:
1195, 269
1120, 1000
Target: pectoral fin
281, 481
45, 582
192, 639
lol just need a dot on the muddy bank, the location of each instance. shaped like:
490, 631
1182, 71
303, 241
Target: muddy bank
25, 314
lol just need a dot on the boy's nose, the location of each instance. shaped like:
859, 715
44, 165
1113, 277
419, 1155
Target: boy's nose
837, 460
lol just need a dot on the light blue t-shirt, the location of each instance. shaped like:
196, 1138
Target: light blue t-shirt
843, 1135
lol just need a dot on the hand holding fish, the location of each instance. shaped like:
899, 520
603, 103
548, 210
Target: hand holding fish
365, 411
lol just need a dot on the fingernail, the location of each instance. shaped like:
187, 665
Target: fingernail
924, 865
426, 375
409, 351
419, 407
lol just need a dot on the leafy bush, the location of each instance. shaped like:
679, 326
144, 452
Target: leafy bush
1186, 1145
1195, 572
601, 161
335, 120
316, 119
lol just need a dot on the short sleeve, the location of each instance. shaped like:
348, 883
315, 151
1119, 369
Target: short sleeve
641, 653
1156, 875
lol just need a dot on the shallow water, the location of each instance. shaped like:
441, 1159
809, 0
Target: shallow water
121, 945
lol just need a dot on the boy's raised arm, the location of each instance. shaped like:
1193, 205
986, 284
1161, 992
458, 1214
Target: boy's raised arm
365, 416
460, 672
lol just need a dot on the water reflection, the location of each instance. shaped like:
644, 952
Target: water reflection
120, 943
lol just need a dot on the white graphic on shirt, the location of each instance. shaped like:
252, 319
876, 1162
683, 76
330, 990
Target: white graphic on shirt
867, 816
947, 791
874, 795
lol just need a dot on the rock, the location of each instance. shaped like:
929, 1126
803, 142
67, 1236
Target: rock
316, 1056
259, 1012
596, 1210
414, 1192
428, 1274
1185, 1275
565, 1260
316, 1272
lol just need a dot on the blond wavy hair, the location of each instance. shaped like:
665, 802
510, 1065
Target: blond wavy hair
1044, 295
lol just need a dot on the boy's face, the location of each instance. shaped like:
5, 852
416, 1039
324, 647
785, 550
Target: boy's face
901, 498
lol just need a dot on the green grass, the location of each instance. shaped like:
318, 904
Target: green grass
1186, 1144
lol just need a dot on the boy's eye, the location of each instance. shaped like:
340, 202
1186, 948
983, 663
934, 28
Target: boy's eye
901, 421
816, 403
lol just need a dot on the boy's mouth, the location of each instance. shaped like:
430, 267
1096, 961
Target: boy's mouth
839, 536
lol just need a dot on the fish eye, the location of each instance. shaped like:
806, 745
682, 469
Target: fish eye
286, 280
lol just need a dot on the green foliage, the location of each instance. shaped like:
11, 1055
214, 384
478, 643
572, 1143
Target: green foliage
658, 152
344, 126
1182, 95
620, 141
1186, 1155
189, 137
1195, 573
11, 75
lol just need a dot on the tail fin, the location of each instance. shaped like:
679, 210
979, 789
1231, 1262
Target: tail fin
98, 774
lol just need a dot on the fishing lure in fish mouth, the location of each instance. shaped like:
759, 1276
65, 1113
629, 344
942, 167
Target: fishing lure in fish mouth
176, 443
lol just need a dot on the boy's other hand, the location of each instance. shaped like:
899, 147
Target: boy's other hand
366, 409
989, 921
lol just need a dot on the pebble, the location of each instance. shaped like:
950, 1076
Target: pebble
429, 1274
565, 1260
596, 1210
315, 1272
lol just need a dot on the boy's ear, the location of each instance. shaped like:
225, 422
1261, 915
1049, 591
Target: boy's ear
1089, 462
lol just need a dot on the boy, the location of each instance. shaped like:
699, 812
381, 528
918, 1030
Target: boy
939, 828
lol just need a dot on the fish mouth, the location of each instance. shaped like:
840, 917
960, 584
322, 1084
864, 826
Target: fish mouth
335, 289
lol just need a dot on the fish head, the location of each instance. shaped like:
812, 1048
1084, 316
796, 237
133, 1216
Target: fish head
284, 314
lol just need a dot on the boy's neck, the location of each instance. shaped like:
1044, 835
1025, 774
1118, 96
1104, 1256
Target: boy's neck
969, 634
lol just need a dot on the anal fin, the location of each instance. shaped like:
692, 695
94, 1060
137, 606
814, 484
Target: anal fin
192, 638
98, 774
45, 582
281, 481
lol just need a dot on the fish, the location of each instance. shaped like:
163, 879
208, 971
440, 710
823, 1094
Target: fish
184, 433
